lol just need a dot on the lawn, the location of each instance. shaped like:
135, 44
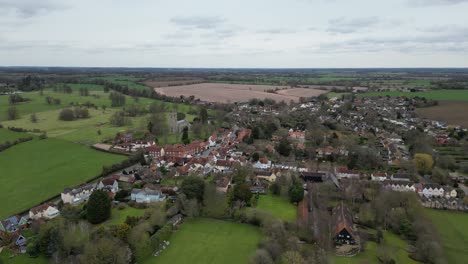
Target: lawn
449, 95
7, 135
278, 207
20, 258
205, 241
119, 216
37, 170
453, 229
395, 245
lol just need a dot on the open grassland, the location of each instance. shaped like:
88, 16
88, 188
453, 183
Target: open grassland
209, 241
278, 207
131, 82
78, 86
451, 112
443, 95
7, 135
453, 230
396, 248
224, 93
37, 170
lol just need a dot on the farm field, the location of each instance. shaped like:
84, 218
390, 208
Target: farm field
395, 245
7, 135
165, 82
37, 170
278, 207
209, 241
302, 92
451, 112
221, 92
453, 230
443, 95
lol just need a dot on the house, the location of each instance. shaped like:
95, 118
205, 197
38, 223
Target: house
244, 134
270, 176
450, 192
78, 195
155, 151
147, 195
313, 176
343, 172
109, 184
212, 140
262, 164
400, 177
258, 186
45, 211
223, 184
432, 190
296, 135
13, 224
379, 176
223, 165
401, 186
20, 240
343, 229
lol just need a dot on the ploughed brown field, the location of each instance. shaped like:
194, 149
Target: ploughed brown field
451, 112
225, 93
174, 81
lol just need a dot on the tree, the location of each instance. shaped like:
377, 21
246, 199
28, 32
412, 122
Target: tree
284, 147
98, 208
242, 192
423, 163
66, 115
106, 251
292, 257
255, 157
203, 115
440, 176
33, 118
296, 192
185, 137
117, 99
119, 119
193, 188
12, 113
261, 257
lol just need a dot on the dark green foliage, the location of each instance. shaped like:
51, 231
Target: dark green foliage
185, 137
284, 147
16, 98
119, 119
98, 208
117, 99
67, 115
203, 116
121, 195
193, 188
296, 192
255, 157
12, 113
242, 192
180, 116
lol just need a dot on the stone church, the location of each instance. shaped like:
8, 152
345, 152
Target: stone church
177, 126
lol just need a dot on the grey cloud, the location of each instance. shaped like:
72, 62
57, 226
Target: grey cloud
30, 8
201, 22
350, 25
275, 31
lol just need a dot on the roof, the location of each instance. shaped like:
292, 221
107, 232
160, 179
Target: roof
342, 219
40, 208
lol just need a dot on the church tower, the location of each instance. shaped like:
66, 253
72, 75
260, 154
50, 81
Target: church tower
173, 122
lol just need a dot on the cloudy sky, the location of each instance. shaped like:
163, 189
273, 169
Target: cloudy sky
241, 33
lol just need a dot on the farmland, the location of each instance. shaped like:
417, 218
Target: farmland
277, 206
41, 169
451, 112
302, 92
217, 92
7, 135
453, 230
205, 241
443, 95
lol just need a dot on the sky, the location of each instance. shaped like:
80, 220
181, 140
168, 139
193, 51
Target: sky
234, 34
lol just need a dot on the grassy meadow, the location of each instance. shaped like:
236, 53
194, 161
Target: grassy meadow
209, 241
7, 135
39, 169
278, 207
453, 230
119, 216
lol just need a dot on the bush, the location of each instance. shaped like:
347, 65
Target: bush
67, 115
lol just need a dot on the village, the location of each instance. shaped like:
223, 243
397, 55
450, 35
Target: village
284, 152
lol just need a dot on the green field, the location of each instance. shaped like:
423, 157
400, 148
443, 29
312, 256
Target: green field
278, 207
37, 170
455, 95
119, 216
7, 135
205, 241
395, 245
6, 257
453, 230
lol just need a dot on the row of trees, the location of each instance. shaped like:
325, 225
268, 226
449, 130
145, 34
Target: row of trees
68, 114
